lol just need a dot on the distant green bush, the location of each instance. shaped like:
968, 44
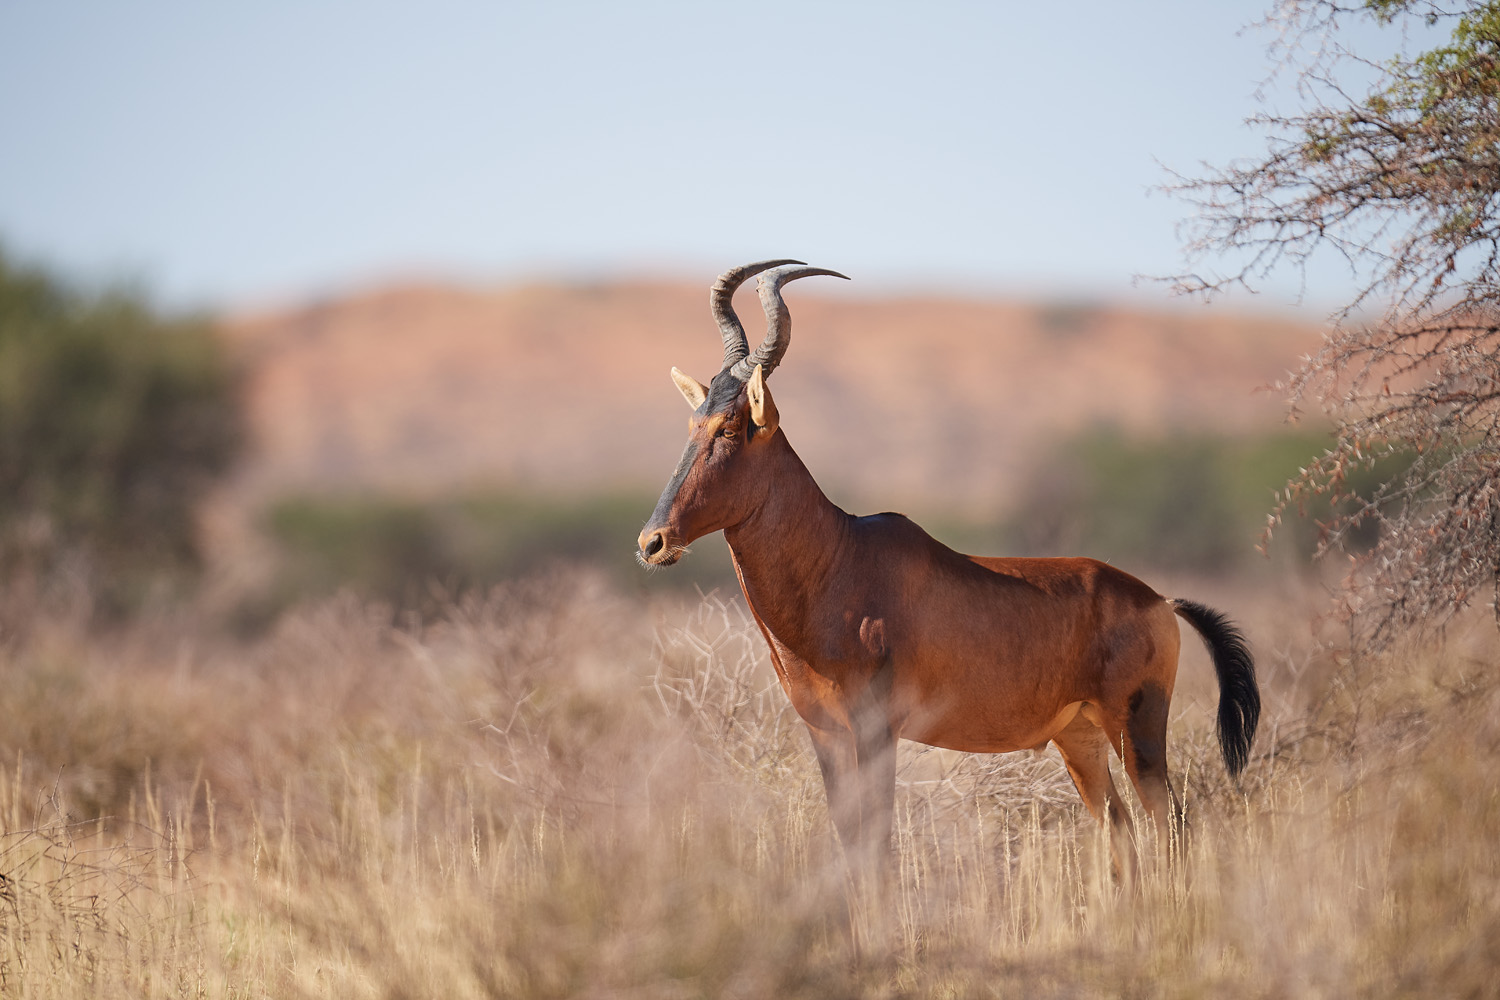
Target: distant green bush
114, 421
399, 549
1191, 502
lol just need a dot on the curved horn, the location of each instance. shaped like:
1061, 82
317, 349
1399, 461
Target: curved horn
778, 319
721, 301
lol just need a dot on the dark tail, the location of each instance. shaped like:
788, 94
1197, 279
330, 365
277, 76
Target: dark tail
1239, 697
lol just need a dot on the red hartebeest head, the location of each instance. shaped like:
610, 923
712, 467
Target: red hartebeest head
717, 482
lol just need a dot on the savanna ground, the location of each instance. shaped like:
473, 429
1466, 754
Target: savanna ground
550, 790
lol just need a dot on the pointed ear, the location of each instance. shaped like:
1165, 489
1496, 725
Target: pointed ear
762, 406
692, 390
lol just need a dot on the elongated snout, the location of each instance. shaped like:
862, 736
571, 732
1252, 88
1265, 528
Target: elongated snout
656, 548
651, 542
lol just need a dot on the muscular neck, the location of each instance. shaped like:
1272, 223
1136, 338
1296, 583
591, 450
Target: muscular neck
787, 551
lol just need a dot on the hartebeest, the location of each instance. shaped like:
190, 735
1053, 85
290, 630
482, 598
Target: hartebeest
879, 632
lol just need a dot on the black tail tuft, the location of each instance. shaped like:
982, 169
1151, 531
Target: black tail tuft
1239, 697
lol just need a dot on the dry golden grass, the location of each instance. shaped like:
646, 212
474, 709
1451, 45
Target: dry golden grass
552, 792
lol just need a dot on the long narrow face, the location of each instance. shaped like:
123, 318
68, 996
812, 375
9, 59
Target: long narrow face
718, 482
723, 475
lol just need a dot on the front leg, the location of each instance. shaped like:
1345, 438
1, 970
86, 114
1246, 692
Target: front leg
876, 753
838, 760
859, 775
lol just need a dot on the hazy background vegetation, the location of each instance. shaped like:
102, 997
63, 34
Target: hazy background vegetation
114, 424
1193, 505
122, 425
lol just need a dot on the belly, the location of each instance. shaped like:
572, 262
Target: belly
976, 726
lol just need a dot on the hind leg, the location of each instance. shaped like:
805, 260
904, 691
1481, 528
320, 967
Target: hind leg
1085, 751
1143, 751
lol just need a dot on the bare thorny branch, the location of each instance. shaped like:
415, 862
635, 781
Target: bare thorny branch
1403, 185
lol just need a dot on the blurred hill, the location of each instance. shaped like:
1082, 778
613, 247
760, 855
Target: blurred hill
917, 403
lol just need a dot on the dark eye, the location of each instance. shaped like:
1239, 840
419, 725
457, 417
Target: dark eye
726, 431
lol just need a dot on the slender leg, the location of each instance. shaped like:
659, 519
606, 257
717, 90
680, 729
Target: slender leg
1085, 751
838, 760
1144, 754
859, 775
875, 754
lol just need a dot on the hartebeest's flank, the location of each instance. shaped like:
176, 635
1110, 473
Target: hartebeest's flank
879, 632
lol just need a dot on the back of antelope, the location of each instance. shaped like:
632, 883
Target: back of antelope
878, 632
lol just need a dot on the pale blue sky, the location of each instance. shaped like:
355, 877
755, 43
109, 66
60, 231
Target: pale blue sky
225, 154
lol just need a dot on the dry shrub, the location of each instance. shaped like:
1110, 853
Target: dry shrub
550, 791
